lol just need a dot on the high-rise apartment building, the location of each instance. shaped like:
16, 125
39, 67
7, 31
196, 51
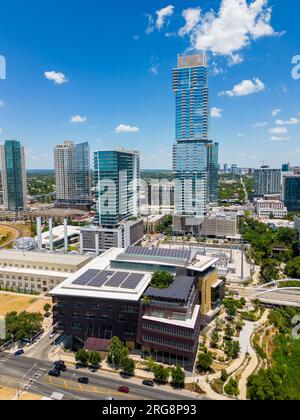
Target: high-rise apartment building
195, 155
117, 181
72, 172
14, 181
267, 181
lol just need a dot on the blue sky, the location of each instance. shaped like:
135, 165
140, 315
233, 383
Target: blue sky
109, 67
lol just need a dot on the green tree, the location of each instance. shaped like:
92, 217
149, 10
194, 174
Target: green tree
269, 271
162, 279
94, 358
232, 388
128, 366
178, 377
293, 268
117, 352
204, 362
214, 339
224, 375
161, 374
82, 356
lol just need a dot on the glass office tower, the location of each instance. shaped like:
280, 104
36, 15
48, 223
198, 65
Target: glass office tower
117, 181
14, 182
72, 173
291, 193
195, 155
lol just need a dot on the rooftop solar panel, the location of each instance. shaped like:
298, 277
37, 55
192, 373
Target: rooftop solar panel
85, 277
159, 252
117, 279
100, 278
132, 281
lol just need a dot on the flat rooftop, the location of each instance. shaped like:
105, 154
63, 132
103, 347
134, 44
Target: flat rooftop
98, 280
59, 233
44, 257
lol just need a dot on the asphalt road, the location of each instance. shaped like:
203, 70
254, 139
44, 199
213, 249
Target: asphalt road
31, 375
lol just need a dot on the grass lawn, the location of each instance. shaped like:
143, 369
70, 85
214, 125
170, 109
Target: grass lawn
16, 303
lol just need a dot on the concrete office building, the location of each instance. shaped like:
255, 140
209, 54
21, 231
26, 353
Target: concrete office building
35, 271
107, 298
14, 181
72, 174
267, 208
195, 155
267, 181
157, 197
220, 225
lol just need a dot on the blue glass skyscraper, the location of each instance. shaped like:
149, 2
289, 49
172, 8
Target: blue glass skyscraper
195, 155
14, 182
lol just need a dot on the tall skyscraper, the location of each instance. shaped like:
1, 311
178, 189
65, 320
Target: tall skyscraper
117, 180
291, 193
72, 173
14, 181
195, 155
267, 181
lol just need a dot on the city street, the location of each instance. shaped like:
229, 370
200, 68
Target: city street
31, 375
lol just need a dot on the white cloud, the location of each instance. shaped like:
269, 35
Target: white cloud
154, 65
291, 121
247, 87
56, 77
276, 138
150, 27
162, 15
235, 59
260, 125
2, 103
192, 17
216, 112
275, 112
78, 119
240, 135
123, 128
233, 27
278, 130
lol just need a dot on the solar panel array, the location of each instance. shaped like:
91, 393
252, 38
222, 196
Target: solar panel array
85, 277
159, 252
117, 279
107, 278
100, 279
132, 281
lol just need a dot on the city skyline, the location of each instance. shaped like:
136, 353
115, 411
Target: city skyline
86, 85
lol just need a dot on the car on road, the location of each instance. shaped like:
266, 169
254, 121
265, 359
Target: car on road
61, 368
84, 381
150, 383
19, 352
52, 335
123, 389
54, 372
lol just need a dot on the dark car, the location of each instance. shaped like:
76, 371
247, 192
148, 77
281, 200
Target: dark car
148, 383
19, 352
123, 389
83, 380
54, 372
60, 362
60, 367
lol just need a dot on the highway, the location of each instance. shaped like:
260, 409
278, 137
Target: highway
31, 375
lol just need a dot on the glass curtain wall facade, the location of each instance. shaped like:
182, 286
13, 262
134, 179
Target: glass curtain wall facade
117, 181
195, 156
14, 182
72, 171
292, 193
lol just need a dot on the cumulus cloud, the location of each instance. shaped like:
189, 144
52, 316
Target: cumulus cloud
275, 112
78, 119
233, 27
260, 124
162, 15
192, 17
56, 77
216, 112
278, 130
247, 87
123, 128
291, 121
